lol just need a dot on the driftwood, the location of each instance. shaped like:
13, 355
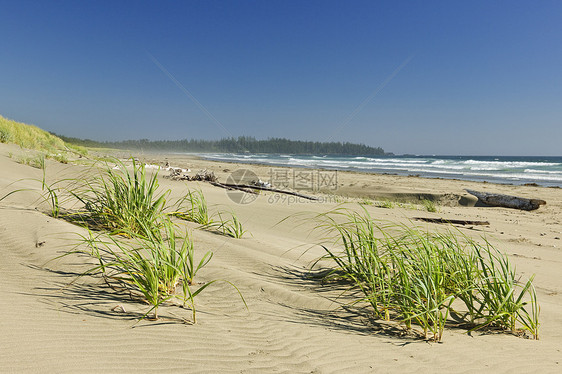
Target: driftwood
507, 201
249, 186
231, 187
203, 175
454, 221
177, 174
180, 177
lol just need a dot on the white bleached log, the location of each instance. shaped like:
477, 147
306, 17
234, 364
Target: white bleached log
507, 201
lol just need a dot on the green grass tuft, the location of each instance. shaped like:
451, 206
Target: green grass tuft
430, 205
123, 201
385, 203
229, 227
152, 268
193, 207
36, 161
416, 277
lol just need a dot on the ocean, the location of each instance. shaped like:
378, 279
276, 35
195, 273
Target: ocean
544, 171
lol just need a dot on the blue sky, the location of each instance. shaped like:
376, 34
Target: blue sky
423, 77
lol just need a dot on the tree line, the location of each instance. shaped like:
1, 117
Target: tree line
241, 144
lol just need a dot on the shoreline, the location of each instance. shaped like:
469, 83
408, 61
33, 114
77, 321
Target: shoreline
358, 184
446, 175
496, 179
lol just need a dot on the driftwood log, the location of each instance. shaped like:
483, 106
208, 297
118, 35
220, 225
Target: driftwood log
244, 187
507, 201
454, 221
232, 187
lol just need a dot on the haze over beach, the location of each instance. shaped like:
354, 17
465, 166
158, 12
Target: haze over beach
280, 186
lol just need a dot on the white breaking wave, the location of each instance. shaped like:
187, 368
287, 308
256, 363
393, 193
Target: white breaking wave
507, 170
553, 172
511, 164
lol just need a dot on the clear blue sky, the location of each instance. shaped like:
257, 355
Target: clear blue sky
425, 77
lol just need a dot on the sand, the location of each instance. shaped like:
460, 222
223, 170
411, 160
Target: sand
53, 321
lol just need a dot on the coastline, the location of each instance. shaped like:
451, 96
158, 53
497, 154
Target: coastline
498, 163
522, 170
362, 185
56, 322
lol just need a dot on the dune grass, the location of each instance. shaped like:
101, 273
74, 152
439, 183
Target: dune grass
151, 268
54, 194
128, 202
430, 205
422, 278
231, 227
38, 160
34, 138
193, 207
35, 161
386, 203
121, 201
114, 199
28, 136
136, 246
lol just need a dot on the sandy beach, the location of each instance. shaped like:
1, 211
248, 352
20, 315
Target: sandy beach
54, 321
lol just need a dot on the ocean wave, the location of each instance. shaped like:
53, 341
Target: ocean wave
512, 177
498, 170
511, 164
550, 172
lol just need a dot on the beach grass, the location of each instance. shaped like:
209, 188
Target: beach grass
38, 160
136, 246
34, 138
430, 205
54, 194
28, 136
420, 278
35, 161
151, 268
386, 203
193, 207
113, 199
231, 227
122, 201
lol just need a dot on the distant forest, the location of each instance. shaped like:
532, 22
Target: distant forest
236, 145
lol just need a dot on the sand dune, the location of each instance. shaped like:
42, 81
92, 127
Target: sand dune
53, 321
